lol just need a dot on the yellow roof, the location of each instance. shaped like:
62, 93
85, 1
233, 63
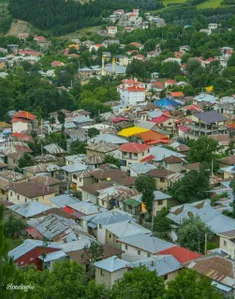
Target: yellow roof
3, 125
131, 131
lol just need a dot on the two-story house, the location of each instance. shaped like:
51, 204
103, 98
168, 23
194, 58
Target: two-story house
135, 152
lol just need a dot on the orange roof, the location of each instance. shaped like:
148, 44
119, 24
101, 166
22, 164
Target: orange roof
151, 137
25, 114
181, 254
135, 89
177, 94
146, 159
134, 147
231, 125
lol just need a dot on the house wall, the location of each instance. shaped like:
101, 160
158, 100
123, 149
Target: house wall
19, 127
228, 175
159, 205
101, 234
107, 278
161, 184
111, 239
131, 158
176, 167
130, 253
87, 196
3, 194
31, 257
80, 182
17, 198
227, 246
12, 163
131, 98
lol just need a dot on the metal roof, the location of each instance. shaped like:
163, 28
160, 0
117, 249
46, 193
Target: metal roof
109, 138
126, 228
158, 195
29, 209
29, 245
141, 168
54, 149
63, 200
161, 153
112, 264
52, 256
74, 167
209, 117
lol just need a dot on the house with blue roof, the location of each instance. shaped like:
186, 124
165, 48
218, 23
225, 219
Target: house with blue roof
167, 104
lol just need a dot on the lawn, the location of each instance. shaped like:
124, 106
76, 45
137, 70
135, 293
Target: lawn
210, 4
166, 2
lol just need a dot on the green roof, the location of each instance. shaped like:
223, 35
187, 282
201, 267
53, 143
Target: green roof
132, 202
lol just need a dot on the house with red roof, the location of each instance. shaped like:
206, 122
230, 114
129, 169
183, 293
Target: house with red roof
137, 45
131, 92
182, 255
165, 122
178, 96
112, 30
40, 39
135, 152
156, 86
170, 83
23, 121
57, 64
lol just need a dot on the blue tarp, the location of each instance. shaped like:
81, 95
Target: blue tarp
165, 103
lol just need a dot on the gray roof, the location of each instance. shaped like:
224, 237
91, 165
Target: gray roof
86, 208
63, 200
141, 168
158, 195
75, 158
213, 218
125, 229
29, 245
162, 264
74, 167
52, 256
203, 97
146, 242
109, 138
52, 225
108, 217
210, 117
82, 119
77, 245
161, 153
119, 69
154, 113
144, 124
54, 149
112, 264
29, 209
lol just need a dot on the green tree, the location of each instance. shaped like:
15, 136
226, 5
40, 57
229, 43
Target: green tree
8, 272
192, 187
162, 224
140, 283
112, 160
203, 150
146, 184
232, 185
14, 227
190, 284
61, 117
77, 147
92, 132
26, 160
191, 234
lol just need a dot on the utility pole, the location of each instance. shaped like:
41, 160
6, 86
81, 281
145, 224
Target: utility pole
205, 244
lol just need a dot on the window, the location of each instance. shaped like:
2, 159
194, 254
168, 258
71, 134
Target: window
225, 243
25, 199
162, 180
11, 193
160, 202
74, 177
100, 226
143, 154
126, 247
169, 124
80, 180
18, 197
139, 252
36, 199
130, 156
31, 259
148, 255
135, 155
110, 236
101, 273
22, 263
165, 277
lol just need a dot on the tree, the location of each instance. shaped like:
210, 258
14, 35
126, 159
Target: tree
61, 117
192, 187
13, 227
191, 234
8, 272
146, 184
189, 284
91, 254
66, 277
77, 147
162, 224
92, 132
112, 160
232, 185
140, 283
203, 150
26, 160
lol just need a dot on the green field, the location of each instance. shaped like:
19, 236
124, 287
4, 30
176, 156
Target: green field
210, 4
166, 2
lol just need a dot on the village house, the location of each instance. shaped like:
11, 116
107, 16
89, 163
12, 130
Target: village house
29, 209
135, 153
161, 200
100, 149
112, 30
227, 243
23, 121
51, 170
161, 177
30, 191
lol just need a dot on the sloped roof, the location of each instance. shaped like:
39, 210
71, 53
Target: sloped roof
54, 149
146, 242
25, 114
134, 147
29, 209
131, 131
31, 190
181, 254
64, 200
141, 168
102, 147
29, 245
151, 137
108, 138
77, 167
112, 264
209, 117
173, 159
159, 173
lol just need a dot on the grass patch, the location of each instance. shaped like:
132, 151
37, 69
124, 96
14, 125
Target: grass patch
84, 32
210, 4
167, 2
